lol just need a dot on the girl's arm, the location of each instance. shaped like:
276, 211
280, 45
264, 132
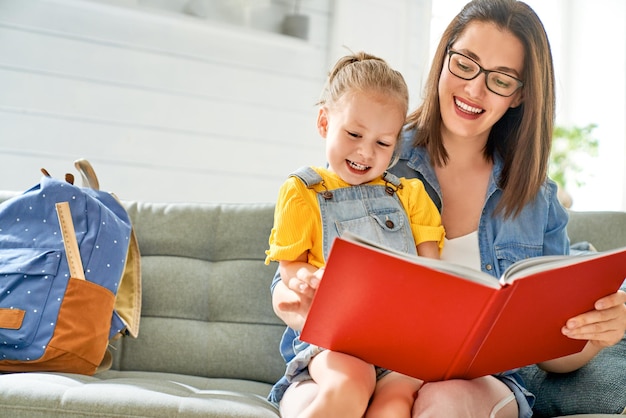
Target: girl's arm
292, 296
290, 306
428, 249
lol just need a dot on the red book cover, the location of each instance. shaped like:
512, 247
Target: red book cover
435, 320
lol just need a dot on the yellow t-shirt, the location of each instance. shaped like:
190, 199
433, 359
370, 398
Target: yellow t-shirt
298, 224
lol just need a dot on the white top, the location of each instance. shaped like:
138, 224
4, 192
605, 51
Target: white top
462, 250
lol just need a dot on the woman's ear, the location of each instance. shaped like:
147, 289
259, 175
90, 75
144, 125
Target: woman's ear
519, 98
322, 121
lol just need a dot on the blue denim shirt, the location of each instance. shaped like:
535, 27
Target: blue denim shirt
540, 228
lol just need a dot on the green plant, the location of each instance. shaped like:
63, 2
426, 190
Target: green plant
569, 144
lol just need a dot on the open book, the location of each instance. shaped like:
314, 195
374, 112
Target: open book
436, 320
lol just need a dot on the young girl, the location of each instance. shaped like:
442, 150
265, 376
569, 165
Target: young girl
361, 114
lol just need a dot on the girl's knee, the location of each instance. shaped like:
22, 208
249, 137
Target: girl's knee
331, 368
435, 394
394, 396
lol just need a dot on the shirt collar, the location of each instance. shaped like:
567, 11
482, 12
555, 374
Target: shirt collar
417, 158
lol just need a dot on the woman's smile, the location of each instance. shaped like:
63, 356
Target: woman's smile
467, 108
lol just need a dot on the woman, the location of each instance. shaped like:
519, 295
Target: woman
480, 143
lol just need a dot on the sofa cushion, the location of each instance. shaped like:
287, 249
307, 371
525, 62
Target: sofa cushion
131, 394
206, 308
597, 387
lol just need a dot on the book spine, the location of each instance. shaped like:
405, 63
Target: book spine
470, 348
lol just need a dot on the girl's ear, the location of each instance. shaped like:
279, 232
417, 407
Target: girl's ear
322, 122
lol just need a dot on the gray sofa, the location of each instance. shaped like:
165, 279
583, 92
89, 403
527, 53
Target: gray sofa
208, 341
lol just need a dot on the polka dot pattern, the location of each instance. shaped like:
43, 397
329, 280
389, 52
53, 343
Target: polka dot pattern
34, 272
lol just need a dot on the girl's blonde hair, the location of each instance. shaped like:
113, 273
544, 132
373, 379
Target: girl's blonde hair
362, 72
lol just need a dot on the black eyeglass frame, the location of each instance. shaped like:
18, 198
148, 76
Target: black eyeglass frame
481, 70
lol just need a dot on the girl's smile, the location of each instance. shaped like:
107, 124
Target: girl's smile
356, 166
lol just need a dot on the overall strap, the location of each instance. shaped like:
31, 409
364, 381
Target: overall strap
391, 178
308, 176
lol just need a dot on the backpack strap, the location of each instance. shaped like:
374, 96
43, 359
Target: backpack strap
87, 174
128, 298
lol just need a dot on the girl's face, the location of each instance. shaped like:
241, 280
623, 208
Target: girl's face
468, 108
361, 132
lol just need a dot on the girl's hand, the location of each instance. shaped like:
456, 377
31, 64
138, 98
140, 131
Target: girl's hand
306, 281
303, 285
293, 294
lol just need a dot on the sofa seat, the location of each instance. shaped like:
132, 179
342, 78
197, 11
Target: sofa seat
132, 394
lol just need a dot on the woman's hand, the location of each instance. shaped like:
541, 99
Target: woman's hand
603, 327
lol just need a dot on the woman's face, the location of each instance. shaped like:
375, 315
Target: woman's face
468, 108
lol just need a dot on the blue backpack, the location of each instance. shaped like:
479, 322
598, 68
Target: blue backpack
69, 276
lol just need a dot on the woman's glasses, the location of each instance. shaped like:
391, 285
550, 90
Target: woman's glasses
497, 82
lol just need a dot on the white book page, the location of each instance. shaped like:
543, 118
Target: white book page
457, 270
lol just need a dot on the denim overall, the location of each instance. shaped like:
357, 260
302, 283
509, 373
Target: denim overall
370, 211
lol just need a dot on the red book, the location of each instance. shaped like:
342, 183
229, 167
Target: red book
436, 320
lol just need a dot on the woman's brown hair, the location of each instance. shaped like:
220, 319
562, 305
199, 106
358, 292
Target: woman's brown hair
523, 136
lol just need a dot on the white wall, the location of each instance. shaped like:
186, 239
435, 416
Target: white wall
173, 107
167, 107
396, 30
592, 87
